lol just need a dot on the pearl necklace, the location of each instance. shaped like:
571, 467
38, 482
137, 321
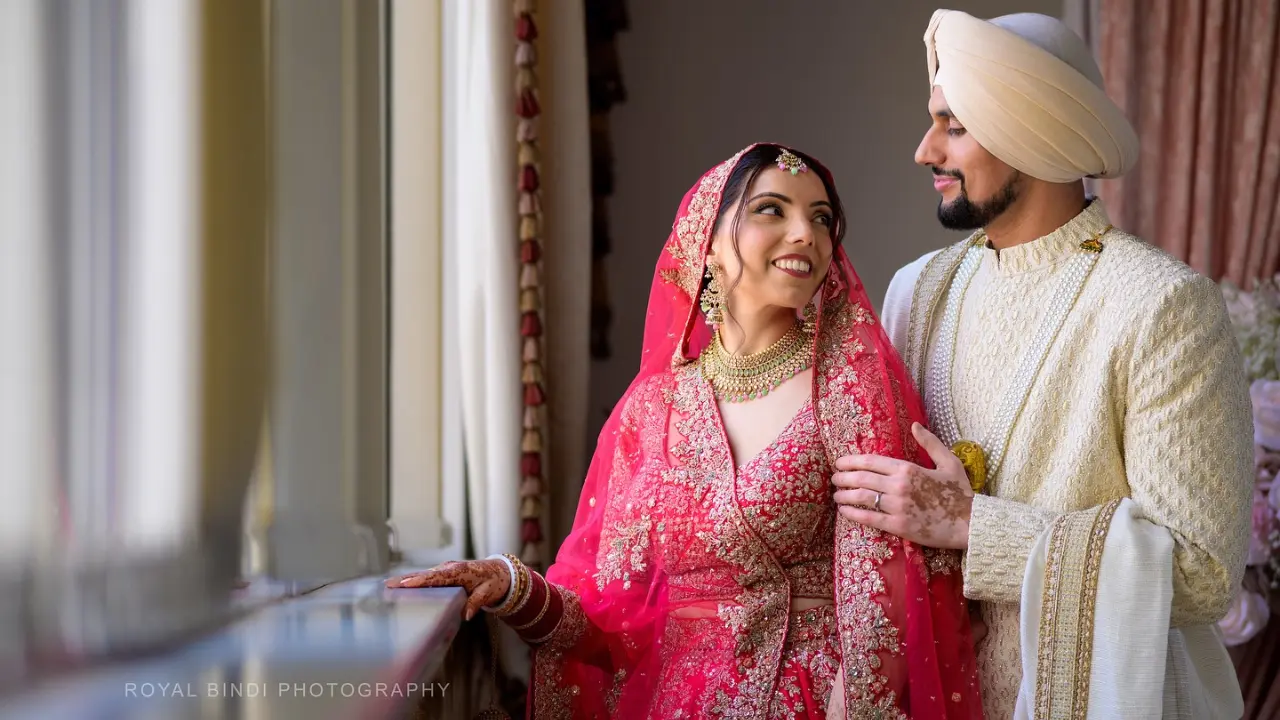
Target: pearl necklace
982, 459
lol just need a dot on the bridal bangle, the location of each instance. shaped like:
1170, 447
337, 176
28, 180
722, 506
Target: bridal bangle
518, 593
546, 603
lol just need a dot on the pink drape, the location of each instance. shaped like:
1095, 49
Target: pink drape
1200, 80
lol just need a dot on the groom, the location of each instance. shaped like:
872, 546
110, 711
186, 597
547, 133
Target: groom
1086, 384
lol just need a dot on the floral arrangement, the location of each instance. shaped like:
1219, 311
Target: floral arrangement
1255, 317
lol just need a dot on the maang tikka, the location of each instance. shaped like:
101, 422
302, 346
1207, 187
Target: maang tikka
712, 301
791, 162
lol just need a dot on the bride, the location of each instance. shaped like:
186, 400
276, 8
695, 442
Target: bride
708, 573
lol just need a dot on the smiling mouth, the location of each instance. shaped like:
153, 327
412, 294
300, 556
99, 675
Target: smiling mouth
794, 266
944, 179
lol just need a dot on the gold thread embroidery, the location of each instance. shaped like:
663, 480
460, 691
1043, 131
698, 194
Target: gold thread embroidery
1048, 616
931, 286
1065, 650
693, 230
857, 418
1089, 603
941, 562
552, 700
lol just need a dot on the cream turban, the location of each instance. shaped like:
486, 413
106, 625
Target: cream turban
1028, 90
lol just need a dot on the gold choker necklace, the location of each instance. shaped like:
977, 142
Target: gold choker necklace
739, 378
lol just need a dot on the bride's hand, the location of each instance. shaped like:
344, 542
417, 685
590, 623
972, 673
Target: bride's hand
931, 508
485, 581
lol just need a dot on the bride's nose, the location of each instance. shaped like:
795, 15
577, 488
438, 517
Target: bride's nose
800, 232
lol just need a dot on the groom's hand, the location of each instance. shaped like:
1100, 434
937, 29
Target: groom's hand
926, 507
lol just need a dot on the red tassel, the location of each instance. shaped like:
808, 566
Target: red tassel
530, 252
531, 325
528, 106
531, 531
529, 179
533, 396
531, 465
526, 29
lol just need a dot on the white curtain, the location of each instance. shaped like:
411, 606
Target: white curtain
481, 255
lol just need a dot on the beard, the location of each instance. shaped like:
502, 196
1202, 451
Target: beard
964, 214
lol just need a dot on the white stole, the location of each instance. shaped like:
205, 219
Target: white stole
1096, 640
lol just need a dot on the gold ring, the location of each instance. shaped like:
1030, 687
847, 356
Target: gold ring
877, 505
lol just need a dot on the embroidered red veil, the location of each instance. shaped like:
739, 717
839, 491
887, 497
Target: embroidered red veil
903, 625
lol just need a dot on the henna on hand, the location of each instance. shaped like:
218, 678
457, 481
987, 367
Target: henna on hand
927, 507
486, 582
938, 504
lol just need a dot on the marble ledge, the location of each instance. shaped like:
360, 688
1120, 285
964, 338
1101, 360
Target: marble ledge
348, 650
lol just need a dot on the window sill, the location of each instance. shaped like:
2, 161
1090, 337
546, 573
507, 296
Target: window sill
345, 650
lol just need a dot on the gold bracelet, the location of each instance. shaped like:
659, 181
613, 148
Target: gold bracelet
546, 604
527, 577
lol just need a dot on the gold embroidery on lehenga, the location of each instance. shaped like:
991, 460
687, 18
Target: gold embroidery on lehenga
552, 700
688, 244
852, 415
626, 533
758, 620
941, 562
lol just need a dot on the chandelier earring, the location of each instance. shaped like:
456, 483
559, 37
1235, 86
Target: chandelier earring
712, 301
810, 318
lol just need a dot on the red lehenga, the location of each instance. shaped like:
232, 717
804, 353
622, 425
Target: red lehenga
667, 522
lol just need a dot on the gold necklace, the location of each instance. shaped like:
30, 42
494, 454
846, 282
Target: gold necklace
739, 378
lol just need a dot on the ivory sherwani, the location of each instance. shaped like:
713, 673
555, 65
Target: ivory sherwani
1142, 395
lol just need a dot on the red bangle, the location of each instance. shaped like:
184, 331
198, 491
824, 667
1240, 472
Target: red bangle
534, 605
541, 631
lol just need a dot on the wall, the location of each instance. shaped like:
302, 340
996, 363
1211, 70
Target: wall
844, 80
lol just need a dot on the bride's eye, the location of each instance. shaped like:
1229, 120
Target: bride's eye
769, 209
